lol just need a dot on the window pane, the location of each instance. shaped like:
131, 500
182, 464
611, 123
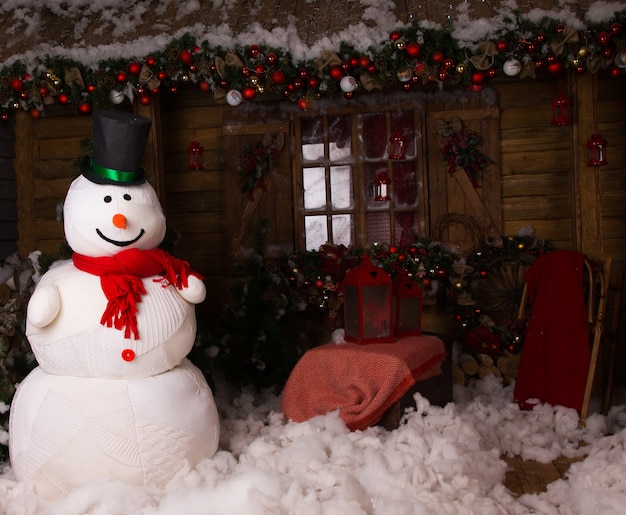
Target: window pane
341, 187
339, 138
404, 184
312, 139
342, 229
315, 231
378, 227
314, 184
374, 136
403, 122
371, 172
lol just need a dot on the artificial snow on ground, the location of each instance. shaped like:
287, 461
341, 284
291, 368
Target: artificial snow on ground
441, 460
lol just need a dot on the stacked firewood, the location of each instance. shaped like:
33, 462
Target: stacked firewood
477, 365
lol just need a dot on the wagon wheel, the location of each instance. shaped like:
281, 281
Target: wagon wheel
499, 293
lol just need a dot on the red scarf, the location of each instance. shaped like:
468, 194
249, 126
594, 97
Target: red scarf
120, 278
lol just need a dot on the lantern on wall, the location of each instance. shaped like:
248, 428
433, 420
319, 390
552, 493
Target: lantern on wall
368, 304
408, 298
381, 187
196, 156
561, 110
596, 147
396, 146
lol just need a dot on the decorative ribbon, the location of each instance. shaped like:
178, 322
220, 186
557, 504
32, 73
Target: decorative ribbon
484, 60
74, 78
230, 59
570, 35
328, 59
147, 78
446, 127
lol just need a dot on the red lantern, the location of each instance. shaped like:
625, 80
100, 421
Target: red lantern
597, 150
396, 146
196, 153
381, 187
561, 110
408, 298
368, 305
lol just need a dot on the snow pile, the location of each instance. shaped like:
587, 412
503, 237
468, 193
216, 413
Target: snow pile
440, 460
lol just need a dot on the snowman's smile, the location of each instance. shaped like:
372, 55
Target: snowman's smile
120, 243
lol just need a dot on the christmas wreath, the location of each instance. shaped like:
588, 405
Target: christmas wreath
257, 162
481, 332
461, 150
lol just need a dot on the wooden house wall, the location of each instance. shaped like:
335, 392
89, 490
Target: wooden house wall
8, 204
544, 180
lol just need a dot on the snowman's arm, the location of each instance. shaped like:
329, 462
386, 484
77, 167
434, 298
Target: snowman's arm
195, 292
44, 306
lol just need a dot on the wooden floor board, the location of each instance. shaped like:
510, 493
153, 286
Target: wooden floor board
531, 477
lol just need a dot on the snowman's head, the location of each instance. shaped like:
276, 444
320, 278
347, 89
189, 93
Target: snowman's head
111, 207
104, 219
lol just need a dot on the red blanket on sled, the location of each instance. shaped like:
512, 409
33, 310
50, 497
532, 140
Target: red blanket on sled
360, 381
555, 357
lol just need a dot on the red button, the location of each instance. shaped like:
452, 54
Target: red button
128, 354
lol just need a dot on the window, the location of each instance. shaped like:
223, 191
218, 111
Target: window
358, 178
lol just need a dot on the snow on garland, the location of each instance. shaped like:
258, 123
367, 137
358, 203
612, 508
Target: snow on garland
420, 54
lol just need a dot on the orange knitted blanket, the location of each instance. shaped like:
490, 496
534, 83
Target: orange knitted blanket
360, 381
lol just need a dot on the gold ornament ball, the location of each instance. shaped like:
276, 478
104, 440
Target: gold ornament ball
460, 68
400, 44
583, 52
254, 80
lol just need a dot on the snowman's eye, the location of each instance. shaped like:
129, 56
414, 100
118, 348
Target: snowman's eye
126, 196
108, 199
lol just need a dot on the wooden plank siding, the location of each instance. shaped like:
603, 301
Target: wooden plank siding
544, 181
8, 195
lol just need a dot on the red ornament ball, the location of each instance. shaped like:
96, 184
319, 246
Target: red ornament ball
442, 75
364, 61
63, 99
84, 108
35, 113
150, 61
319, 284
437, 57
502, 46
161, 75
394, 36
121, 77
313, 82
278, 77
483, 273
134, 68
335, 72
616, 72
604, 38
303, 104
204, 86
555, 67
254, 51
90, 88
271, 58
478, 78
616, 28
249, 93
413, 50
393, 249
608, 52
492, 72
43, 91
186, 56
17, 84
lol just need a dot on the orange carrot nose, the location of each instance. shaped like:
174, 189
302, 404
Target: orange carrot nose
119, 221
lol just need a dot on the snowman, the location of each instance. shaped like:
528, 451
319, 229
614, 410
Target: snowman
114, 396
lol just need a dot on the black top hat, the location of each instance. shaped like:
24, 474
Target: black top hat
119, 140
